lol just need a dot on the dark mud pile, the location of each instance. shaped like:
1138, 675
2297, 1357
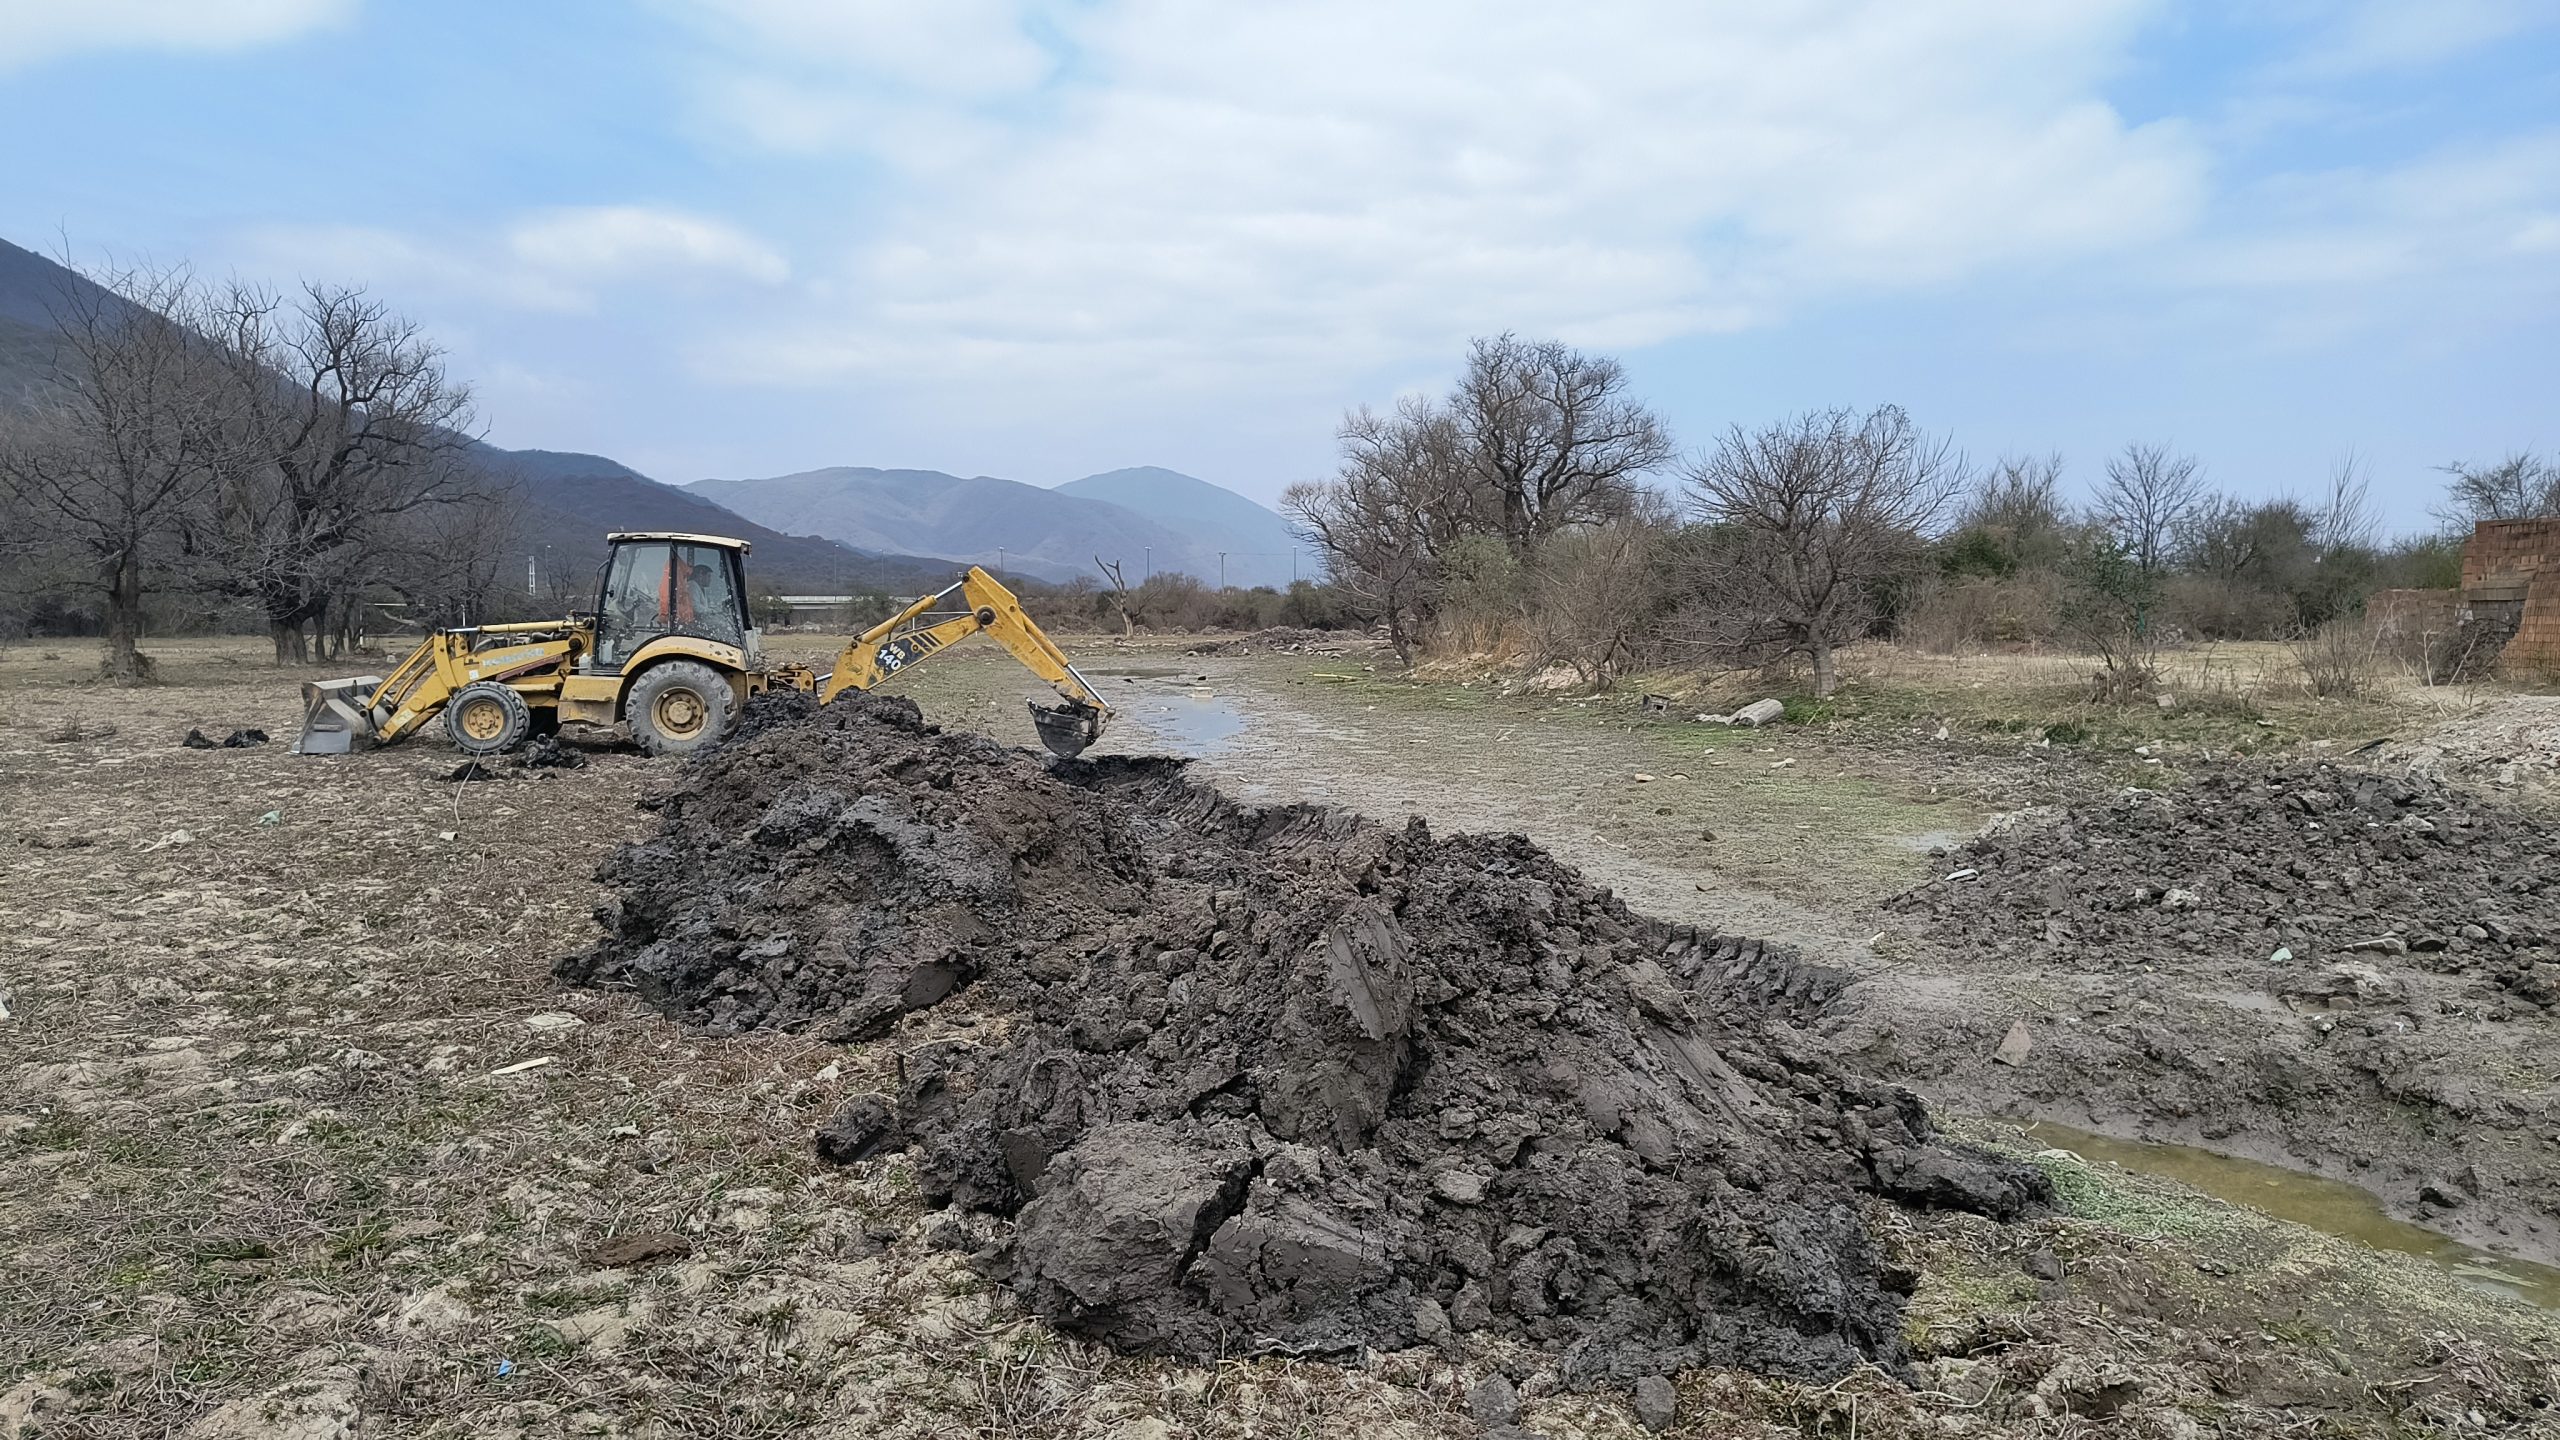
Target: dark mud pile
1286, 1079
2295, 870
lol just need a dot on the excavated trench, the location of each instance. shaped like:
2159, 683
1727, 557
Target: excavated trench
1288, 1079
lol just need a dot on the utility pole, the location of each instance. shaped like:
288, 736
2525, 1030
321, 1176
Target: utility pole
532, 580
999, 562
1222, 569
1151, 564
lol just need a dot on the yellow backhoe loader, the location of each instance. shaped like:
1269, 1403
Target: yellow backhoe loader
669, 652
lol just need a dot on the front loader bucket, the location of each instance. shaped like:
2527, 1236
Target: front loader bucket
1067, 729
334, 715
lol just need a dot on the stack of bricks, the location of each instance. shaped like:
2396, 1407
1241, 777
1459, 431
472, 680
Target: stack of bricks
2511, 582
2536, 643
2502, 557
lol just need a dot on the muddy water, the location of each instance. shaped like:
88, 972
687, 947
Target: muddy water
2332, 1207
1191, 720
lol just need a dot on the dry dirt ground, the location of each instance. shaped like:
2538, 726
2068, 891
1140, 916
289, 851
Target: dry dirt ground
298, 1137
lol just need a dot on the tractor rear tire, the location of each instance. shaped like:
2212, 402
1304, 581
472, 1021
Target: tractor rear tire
487, 719
679, 707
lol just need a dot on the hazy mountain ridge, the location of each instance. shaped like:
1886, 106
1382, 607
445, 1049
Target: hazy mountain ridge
834, 530
564, 501
1259, 543
1146, 519
569, 501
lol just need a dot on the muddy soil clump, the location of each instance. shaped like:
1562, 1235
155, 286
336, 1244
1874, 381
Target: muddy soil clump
2330, 884
1286, 1079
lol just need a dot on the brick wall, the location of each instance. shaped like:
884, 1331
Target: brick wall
2535, 647
2504, 555
2511, 579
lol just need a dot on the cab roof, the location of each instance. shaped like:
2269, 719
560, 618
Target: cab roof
680, 536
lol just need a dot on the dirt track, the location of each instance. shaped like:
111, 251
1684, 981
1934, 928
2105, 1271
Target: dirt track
270, 1154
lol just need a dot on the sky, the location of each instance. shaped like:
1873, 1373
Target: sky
1042, 238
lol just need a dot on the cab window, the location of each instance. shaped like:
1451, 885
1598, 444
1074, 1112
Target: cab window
704, 597
635, 590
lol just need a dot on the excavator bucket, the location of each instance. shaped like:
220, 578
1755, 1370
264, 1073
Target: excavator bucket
1066, 729
334, 715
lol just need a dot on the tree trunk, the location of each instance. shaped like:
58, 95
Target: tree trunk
1826, 670
292, 646
124, 661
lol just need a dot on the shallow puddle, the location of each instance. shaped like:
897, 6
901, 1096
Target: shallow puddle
1192, 721
2332, 1207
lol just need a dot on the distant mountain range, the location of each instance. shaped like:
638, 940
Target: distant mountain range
569, 501
1145, 519
834, 531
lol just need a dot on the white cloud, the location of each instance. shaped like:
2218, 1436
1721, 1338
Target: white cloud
2350, 232
2382, 35
607, 242
558, 260
38, 30
947, 47
1192, 192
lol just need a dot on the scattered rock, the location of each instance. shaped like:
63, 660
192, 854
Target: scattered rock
864, 1126
1431, 1323
1657, 1404
2013, 1047
1950, 1177
1458, 1187
1493, 1400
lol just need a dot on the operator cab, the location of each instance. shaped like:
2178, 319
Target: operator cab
669, 583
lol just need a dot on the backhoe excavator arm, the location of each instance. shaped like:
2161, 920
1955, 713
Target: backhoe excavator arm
977, 603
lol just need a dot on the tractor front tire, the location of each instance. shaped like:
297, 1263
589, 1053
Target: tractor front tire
679, 707
487, 719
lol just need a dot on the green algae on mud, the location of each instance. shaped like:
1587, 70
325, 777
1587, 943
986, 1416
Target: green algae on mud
2332, 1207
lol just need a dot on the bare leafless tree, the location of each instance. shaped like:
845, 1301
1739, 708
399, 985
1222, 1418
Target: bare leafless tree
1806, 519
451, 563
2148, 494
2520, 486
351, 426
2346, 519
1395, 503
126, 438
1119, 595
1551, 438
